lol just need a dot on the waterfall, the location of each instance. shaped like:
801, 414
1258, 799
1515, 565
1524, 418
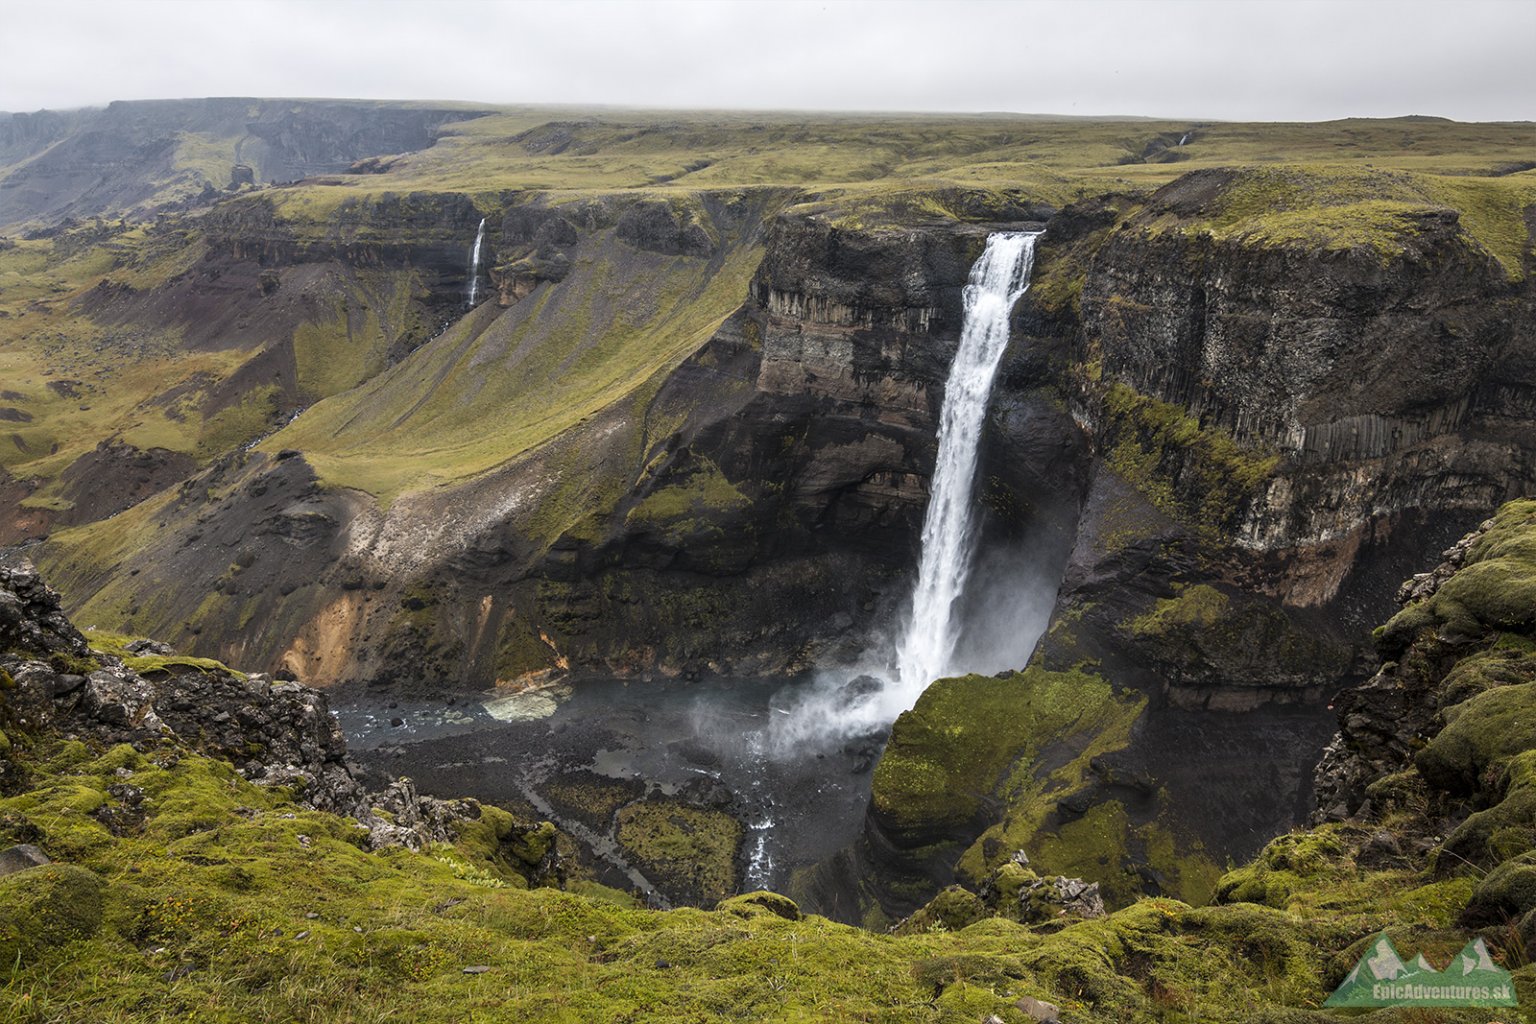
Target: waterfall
999, 278
1183, 138
474, 263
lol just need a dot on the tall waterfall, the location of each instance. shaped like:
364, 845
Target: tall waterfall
997, 282
474, 263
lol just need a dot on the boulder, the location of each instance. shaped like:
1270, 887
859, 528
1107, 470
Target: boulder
1039, 1009
20, 858
762, 902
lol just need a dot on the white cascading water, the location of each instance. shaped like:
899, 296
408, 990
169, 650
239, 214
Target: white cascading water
474, 263
997, 282
836, 708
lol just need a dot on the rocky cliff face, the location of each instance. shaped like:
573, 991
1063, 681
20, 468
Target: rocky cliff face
1304, 418
1281, 432
280, 312
772, 502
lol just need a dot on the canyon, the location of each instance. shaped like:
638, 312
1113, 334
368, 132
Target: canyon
444, 406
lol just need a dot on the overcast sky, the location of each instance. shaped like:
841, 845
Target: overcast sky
1230, 59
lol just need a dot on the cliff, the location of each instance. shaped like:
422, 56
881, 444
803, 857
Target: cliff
690, 426
319, 922
1283, 425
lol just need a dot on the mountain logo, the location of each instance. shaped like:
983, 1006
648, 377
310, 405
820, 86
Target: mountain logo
1382, 979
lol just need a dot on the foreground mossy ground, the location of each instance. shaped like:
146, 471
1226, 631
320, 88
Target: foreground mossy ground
229, 902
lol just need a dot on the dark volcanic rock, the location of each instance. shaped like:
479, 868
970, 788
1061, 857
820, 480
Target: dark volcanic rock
665, 228
1385, 720
116, 476
31, 620
277, 735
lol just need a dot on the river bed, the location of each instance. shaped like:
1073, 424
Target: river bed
710, 742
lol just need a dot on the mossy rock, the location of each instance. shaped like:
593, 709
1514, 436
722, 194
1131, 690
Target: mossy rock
1256, 933
687, 850
1399, 791
532, 845
1506, 894
505, 847
1200, 606
43, 908
1509, 662
1007, 883
1284, 867
951, 754
1490, 836
1494, 591
762, 902
1196, 474
1254, 884
952, 909
1480, 732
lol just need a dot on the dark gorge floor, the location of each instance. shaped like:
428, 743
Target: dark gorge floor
644, 775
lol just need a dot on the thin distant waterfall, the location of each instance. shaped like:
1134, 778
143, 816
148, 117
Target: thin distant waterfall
998, 280
1183, 138
474, 263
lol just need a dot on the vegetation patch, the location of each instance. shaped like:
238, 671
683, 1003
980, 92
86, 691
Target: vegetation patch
1378, 210
1199, 606
1197, 475
687, 849
1495, 590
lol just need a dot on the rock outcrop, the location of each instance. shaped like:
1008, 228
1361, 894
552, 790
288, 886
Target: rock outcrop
1452, 658
275, 734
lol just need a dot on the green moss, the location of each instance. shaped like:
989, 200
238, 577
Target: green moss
1489, 836
684, 509
1286, 866
42, 909
952, 909
1508, 662
1506, 894
1378, 211
999, 756
226, 873
762, 902
1092, 846
691, 849
497, 845
958, 745
1494, 591
116, 644
1480, 733
1200, 605
1198, 475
